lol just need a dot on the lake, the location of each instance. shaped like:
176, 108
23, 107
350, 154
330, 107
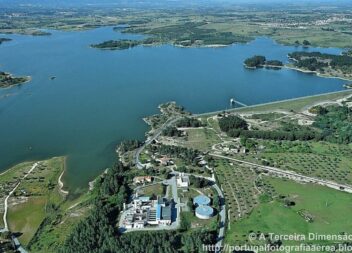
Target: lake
100, 97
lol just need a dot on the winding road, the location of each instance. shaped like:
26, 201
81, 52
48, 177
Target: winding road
158, 132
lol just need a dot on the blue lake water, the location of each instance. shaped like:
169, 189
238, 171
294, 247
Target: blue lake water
100, 97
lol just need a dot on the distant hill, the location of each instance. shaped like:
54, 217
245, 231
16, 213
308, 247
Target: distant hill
164, 2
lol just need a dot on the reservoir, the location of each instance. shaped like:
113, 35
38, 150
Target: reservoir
99, 97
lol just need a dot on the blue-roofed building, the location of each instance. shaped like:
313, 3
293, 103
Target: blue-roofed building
158, 212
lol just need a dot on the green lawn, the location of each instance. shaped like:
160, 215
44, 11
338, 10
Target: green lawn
201, 139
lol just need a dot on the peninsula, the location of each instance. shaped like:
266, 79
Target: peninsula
323, 64
7, 80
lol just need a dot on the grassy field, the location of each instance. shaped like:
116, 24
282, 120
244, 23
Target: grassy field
156, 189
53, 234
326, 206
201, 139
35, 197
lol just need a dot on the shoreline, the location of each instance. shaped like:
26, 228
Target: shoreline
316, 73
60, 182
299, 70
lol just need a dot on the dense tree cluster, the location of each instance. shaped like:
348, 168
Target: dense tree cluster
189, 122
302, 135
198, 182
232, 122
317, 60
260, 61
171, 131
117, 44
129, 145
335, 123
306, 43
187, 154
255, 61
274, 63
97, 232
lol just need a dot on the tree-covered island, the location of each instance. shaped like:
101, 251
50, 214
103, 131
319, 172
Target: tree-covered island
8, 80
259, 61
117, 44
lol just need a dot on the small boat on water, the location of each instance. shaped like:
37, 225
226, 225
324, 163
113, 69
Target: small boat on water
348, 86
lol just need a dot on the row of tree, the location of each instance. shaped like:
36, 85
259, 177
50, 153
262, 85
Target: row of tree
189, 122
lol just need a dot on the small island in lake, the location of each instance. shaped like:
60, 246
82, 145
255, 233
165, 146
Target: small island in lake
8, 80
117, 44
259, 61
4, 40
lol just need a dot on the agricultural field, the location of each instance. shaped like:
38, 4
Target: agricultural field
323, 206
318, 159
240, 191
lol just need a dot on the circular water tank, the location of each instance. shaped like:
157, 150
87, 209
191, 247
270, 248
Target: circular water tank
204, 212
201, 200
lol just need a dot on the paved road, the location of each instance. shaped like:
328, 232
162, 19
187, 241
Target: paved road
222, 214
149, 140
292, 175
